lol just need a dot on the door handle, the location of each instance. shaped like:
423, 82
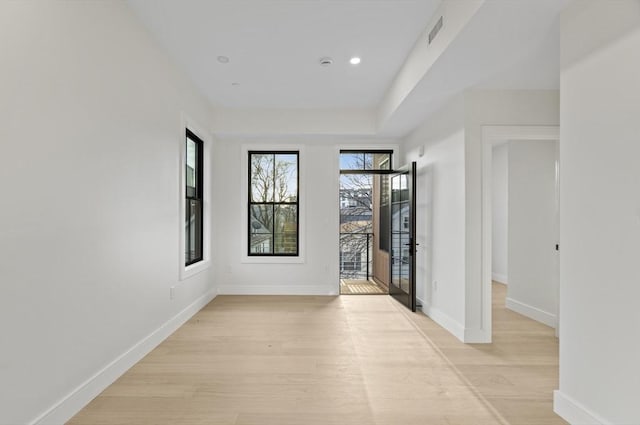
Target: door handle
413, 246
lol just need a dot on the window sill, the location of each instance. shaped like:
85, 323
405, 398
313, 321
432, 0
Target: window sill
272, 260
194, 269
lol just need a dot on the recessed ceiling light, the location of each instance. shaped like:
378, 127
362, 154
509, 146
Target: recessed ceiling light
223, 59
326, 61
354, 60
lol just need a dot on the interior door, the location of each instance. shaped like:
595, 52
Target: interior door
402, 284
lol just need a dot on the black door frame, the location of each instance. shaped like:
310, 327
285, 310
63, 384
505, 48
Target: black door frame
406, 298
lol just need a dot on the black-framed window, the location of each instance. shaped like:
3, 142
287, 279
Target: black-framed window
193, 198
365, 161
273, 208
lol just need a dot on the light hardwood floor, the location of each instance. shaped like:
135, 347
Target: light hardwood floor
517, 373
361, 287
333, 360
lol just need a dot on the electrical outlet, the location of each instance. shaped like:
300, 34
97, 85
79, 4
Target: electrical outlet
172, 292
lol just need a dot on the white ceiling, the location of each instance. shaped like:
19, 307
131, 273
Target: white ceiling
508, 45
274, 47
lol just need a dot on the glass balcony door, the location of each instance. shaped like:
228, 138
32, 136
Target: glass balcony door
402, 285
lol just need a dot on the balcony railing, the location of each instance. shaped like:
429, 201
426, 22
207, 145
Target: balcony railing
356, 257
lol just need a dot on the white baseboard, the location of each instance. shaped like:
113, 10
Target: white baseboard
71, 404
476, 336
532, 312
499, 277
442, 319
466, 335
248, 289
574, 412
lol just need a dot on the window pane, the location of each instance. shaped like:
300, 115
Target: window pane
187, 232
404, 217
262, 177
384, 212
193, 231
192, 160
404, 187
404, 263
352, 161
395, 189
395, 219
381, 161
365, 160
286, 178
368, 161
286, 229
261, 227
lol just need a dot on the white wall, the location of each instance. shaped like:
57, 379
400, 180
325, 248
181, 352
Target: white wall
491, 108
90, 142
500, 213
440, 280
317, 270
451, 180
533, 230
600, 213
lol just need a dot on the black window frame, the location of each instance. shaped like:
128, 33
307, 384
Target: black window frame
364, 170
194, 199
251, 203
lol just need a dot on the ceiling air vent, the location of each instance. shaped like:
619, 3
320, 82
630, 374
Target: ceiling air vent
436, 29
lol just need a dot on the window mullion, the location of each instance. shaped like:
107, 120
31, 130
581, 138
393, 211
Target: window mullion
273, 209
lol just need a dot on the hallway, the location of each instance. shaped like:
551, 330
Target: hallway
334, 360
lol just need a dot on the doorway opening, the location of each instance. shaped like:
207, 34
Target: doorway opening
377, 226
364, 221
520, 257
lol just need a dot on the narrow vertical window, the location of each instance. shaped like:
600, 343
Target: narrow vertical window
193, 200
273, 203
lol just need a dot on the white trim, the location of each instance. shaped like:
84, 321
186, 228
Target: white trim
492, 135
500, 278
573, 412
532, 312
477, 336
501, 133
244, 194
275, 289
185, 272
442, 319
73, 402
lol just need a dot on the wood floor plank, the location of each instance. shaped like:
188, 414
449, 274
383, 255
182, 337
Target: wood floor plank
246, 360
